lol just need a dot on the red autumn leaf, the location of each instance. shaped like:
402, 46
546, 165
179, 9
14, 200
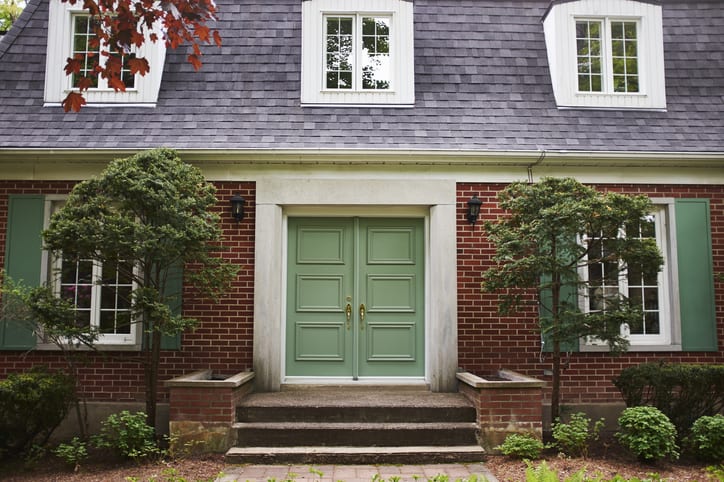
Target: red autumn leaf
217, 38
84, 83
195, 61
72, 66
73, 101
138, 65
116, 84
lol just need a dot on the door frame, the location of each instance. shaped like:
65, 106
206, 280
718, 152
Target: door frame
279, 198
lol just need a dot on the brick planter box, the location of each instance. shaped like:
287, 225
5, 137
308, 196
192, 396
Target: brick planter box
202, 409
506, 402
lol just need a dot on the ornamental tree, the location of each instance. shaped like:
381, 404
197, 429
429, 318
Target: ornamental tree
146, 216
555, 230
10, 10
122, 25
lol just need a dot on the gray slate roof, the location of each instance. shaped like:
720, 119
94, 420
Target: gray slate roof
481, 75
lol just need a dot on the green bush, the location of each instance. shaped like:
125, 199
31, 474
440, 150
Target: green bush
572, 438
32, 405
648, 433
524, 446
682, 392
128, 434
706, 440
72, 453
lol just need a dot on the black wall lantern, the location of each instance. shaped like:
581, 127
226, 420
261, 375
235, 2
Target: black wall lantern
237, 207
474, 209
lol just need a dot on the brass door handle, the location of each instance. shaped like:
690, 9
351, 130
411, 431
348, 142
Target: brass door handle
362, 313
348, 313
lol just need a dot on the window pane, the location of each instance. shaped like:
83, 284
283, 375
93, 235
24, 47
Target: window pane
624, 62
376, 73
588, 45
85, 47
652, 326
339, 52
107, 324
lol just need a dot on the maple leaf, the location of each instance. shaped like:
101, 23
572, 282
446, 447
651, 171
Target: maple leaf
138, 65
84, 83
72, 66
116, 84
195, 61
73, 101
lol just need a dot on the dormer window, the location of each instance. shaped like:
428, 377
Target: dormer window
606, 54
86, 46
607, 63
358, 53
71, 33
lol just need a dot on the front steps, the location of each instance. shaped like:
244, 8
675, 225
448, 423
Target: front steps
358, 426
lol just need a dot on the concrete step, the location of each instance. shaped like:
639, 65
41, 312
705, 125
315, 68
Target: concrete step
355, 455
378, 406
355, 426
360, 434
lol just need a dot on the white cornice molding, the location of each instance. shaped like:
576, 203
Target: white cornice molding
453, 157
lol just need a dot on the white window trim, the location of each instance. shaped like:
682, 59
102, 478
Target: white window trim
670, 338
58, 84
314, 91
105, 342
560, 34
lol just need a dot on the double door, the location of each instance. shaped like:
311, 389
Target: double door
355, 298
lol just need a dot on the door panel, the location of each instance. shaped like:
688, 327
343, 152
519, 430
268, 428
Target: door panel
392, 341
355, 297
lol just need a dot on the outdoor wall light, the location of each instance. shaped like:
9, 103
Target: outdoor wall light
237, 207
474, 209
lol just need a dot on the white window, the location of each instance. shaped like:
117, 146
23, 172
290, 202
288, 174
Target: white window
357, 52
606, 54
70, 34
652, 293
100, 293
86, 47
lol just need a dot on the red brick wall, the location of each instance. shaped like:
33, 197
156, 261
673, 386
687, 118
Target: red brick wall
221, 342
488, 341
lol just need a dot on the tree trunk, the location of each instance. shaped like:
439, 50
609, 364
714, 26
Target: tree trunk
556, 389
151, 375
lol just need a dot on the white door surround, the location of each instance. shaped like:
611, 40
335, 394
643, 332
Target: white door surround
278, 197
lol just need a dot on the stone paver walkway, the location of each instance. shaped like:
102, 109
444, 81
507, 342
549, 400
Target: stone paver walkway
357, 473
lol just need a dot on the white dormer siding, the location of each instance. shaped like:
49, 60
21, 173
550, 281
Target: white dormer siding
594, 65
60, 47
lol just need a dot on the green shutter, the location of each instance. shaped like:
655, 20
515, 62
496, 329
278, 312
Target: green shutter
696, 275
173, 292
23, 258
569, 295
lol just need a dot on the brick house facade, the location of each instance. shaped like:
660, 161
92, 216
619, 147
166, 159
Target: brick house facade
486, 112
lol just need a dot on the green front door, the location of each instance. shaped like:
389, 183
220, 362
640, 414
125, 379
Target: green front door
355, 298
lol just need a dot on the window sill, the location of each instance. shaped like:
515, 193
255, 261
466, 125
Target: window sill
633, 348
97, 347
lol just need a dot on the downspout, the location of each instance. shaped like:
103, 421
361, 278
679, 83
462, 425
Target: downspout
536, 163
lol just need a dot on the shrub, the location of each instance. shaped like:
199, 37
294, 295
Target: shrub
706, 440
572, 438
128, 434
32, 405
72, 453
648, 433
682, 392
525, 446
